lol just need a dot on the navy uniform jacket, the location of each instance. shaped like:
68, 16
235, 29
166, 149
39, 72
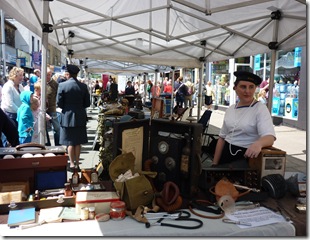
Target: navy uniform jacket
73, 98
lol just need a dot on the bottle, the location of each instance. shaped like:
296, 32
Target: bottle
75, 176
68, 189
94, 176
184, 166
30, 198
36, 195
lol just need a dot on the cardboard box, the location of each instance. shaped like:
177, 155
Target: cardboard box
98, 199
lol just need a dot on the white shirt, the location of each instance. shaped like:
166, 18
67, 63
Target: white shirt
10, 97
242, 126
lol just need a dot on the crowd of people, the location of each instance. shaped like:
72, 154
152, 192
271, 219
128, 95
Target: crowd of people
65, 110
67, 99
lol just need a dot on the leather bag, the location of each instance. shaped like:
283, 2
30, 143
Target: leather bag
135, 191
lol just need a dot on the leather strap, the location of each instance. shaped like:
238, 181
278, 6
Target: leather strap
205, 205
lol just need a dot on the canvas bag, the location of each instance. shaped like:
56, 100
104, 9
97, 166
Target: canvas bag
136, 191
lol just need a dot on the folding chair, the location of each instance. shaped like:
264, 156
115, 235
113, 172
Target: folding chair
205, 120
179, 112
208, 140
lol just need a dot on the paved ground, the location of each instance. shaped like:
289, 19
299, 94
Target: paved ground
291, 140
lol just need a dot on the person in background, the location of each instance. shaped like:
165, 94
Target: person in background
96, 87
196, 91
180, 92
25, 118
113, 90
10, 93
37, 95
35, 109
51, 92
262, 96
247, 126
66, 74
189, 95
155, 90
61, 78
148, 88
142, 89
209, 93
108, 84
8, 129
168, 87
137, 87
129, 90
265, 86
73, 98
34, 78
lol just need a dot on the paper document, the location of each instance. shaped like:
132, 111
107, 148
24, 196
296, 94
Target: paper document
256, 217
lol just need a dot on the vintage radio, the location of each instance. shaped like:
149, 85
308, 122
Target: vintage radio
270, 161
245, 177
175, 151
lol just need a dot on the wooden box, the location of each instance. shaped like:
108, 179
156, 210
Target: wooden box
271, 160
20, 169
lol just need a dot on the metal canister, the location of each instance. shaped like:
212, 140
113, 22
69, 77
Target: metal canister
84, 213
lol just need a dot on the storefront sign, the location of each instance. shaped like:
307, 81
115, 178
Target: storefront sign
27, 56
297, 57
257, 62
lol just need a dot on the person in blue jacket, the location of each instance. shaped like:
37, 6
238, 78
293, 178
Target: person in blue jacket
25, 118
73, 98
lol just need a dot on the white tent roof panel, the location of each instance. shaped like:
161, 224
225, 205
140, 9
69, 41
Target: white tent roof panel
171, 31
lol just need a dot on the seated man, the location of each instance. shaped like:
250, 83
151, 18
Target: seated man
247, 126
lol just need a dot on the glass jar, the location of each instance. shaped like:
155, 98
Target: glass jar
68, 190
91, 213
118, 210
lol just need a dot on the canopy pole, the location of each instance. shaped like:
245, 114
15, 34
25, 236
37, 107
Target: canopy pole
199, 105
172, 92
276, 16
41, 118
3, 43
203, 61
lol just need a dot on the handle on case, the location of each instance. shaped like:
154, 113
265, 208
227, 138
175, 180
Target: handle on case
25, 145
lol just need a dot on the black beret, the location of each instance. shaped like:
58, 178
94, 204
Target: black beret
247, 76
73, 69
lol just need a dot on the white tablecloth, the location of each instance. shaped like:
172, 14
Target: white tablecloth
130, 227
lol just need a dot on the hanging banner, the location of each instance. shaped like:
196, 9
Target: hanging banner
36, 60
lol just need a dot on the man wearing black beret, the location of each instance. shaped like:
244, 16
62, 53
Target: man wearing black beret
73, 98
247, 126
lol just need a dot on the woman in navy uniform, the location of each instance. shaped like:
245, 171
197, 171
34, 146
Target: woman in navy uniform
73, 98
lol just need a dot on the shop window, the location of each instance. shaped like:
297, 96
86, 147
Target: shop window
286, 85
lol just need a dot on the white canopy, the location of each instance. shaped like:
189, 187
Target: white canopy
144, 35
154, 33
